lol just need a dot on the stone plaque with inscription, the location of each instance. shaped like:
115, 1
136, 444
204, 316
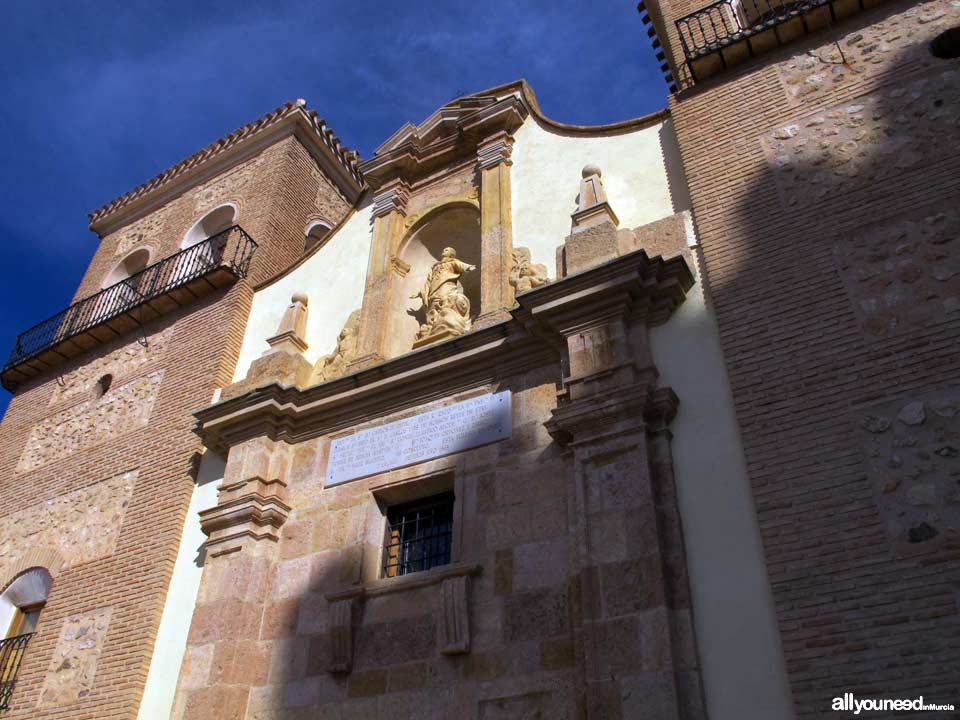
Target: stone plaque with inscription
429, 435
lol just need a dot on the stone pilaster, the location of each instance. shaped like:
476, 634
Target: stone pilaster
251, 506
496, 236
389, 211
634, 630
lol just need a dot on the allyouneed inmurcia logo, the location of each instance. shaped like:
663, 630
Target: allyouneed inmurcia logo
849, 703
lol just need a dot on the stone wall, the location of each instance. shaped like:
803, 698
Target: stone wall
911, 448
266, 631
122, 360
83, 525
73, 667
91, 422
903, 273
119, 536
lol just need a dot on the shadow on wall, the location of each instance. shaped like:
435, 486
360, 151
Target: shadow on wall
835, 275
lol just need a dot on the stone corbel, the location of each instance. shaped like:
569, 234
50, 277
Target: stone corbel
342, 614
391, 198
495, 150
453, 614
453, 622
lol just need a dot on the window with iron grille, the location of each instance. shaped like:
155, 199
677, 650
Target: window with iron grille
419, 535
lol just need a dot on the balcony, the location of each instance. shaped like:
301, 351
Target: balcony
156, 290
728, 32
11, 654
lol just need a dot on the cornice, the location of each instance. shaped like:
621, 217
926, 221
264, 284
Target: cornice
647, 289
340, 163
453, 131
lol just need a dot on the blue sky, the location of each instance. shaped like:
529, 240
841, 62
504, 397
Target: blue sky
98, 96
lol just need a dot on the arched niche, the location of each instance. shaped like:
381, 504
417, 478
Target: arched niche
454, 225
133, 263
214, 222
316, 233
29, 590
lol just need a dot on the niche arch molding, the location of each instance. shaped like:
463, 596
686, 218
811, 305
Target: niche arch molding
131, 263
213, 221
47, 558
455, 224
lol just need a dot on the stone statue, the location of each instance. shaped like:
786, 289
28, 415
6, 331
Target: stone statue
448, 308
524, 273
335, 364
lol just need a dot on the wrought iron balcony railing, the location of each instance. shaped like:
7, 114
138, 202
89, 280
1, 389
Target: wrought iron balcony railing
11, 655
726, 22
155, 290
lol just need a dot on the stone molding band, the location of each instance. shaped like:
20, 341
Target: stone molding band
639, 287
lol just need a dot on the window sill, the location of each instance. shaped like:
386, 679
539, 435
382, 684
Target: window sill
412, 581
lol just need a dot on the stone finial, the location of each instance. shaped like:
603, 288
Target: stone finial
592, 205
292, 328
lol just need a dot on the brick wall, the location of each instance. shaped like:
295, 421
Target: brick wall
62, 448
276, 193
824, 180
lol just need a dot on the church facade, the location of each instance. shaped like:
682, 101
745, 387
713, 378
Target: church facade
516, 419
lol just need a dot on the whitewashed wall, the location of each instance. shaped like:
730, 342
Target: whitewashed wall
333, 279
545, 180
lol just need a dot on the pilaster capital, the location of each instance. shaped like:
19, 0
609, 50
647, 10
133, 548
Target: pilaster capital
391, 198
495, 150
615, 412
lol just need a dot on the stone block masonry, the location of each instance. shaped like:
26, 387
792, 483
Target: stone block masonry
107, 480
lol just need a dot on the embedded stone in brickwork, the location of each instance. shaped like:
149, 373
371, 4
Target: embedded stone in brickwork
94, 422
73, 668
911, 447
900, 39
120, 362
864, 141
145, 231
903, 274
83, 525
328, 200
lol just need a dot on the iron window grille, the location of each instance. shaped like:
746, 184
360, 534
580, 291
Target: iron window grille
11, 655
419, 535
